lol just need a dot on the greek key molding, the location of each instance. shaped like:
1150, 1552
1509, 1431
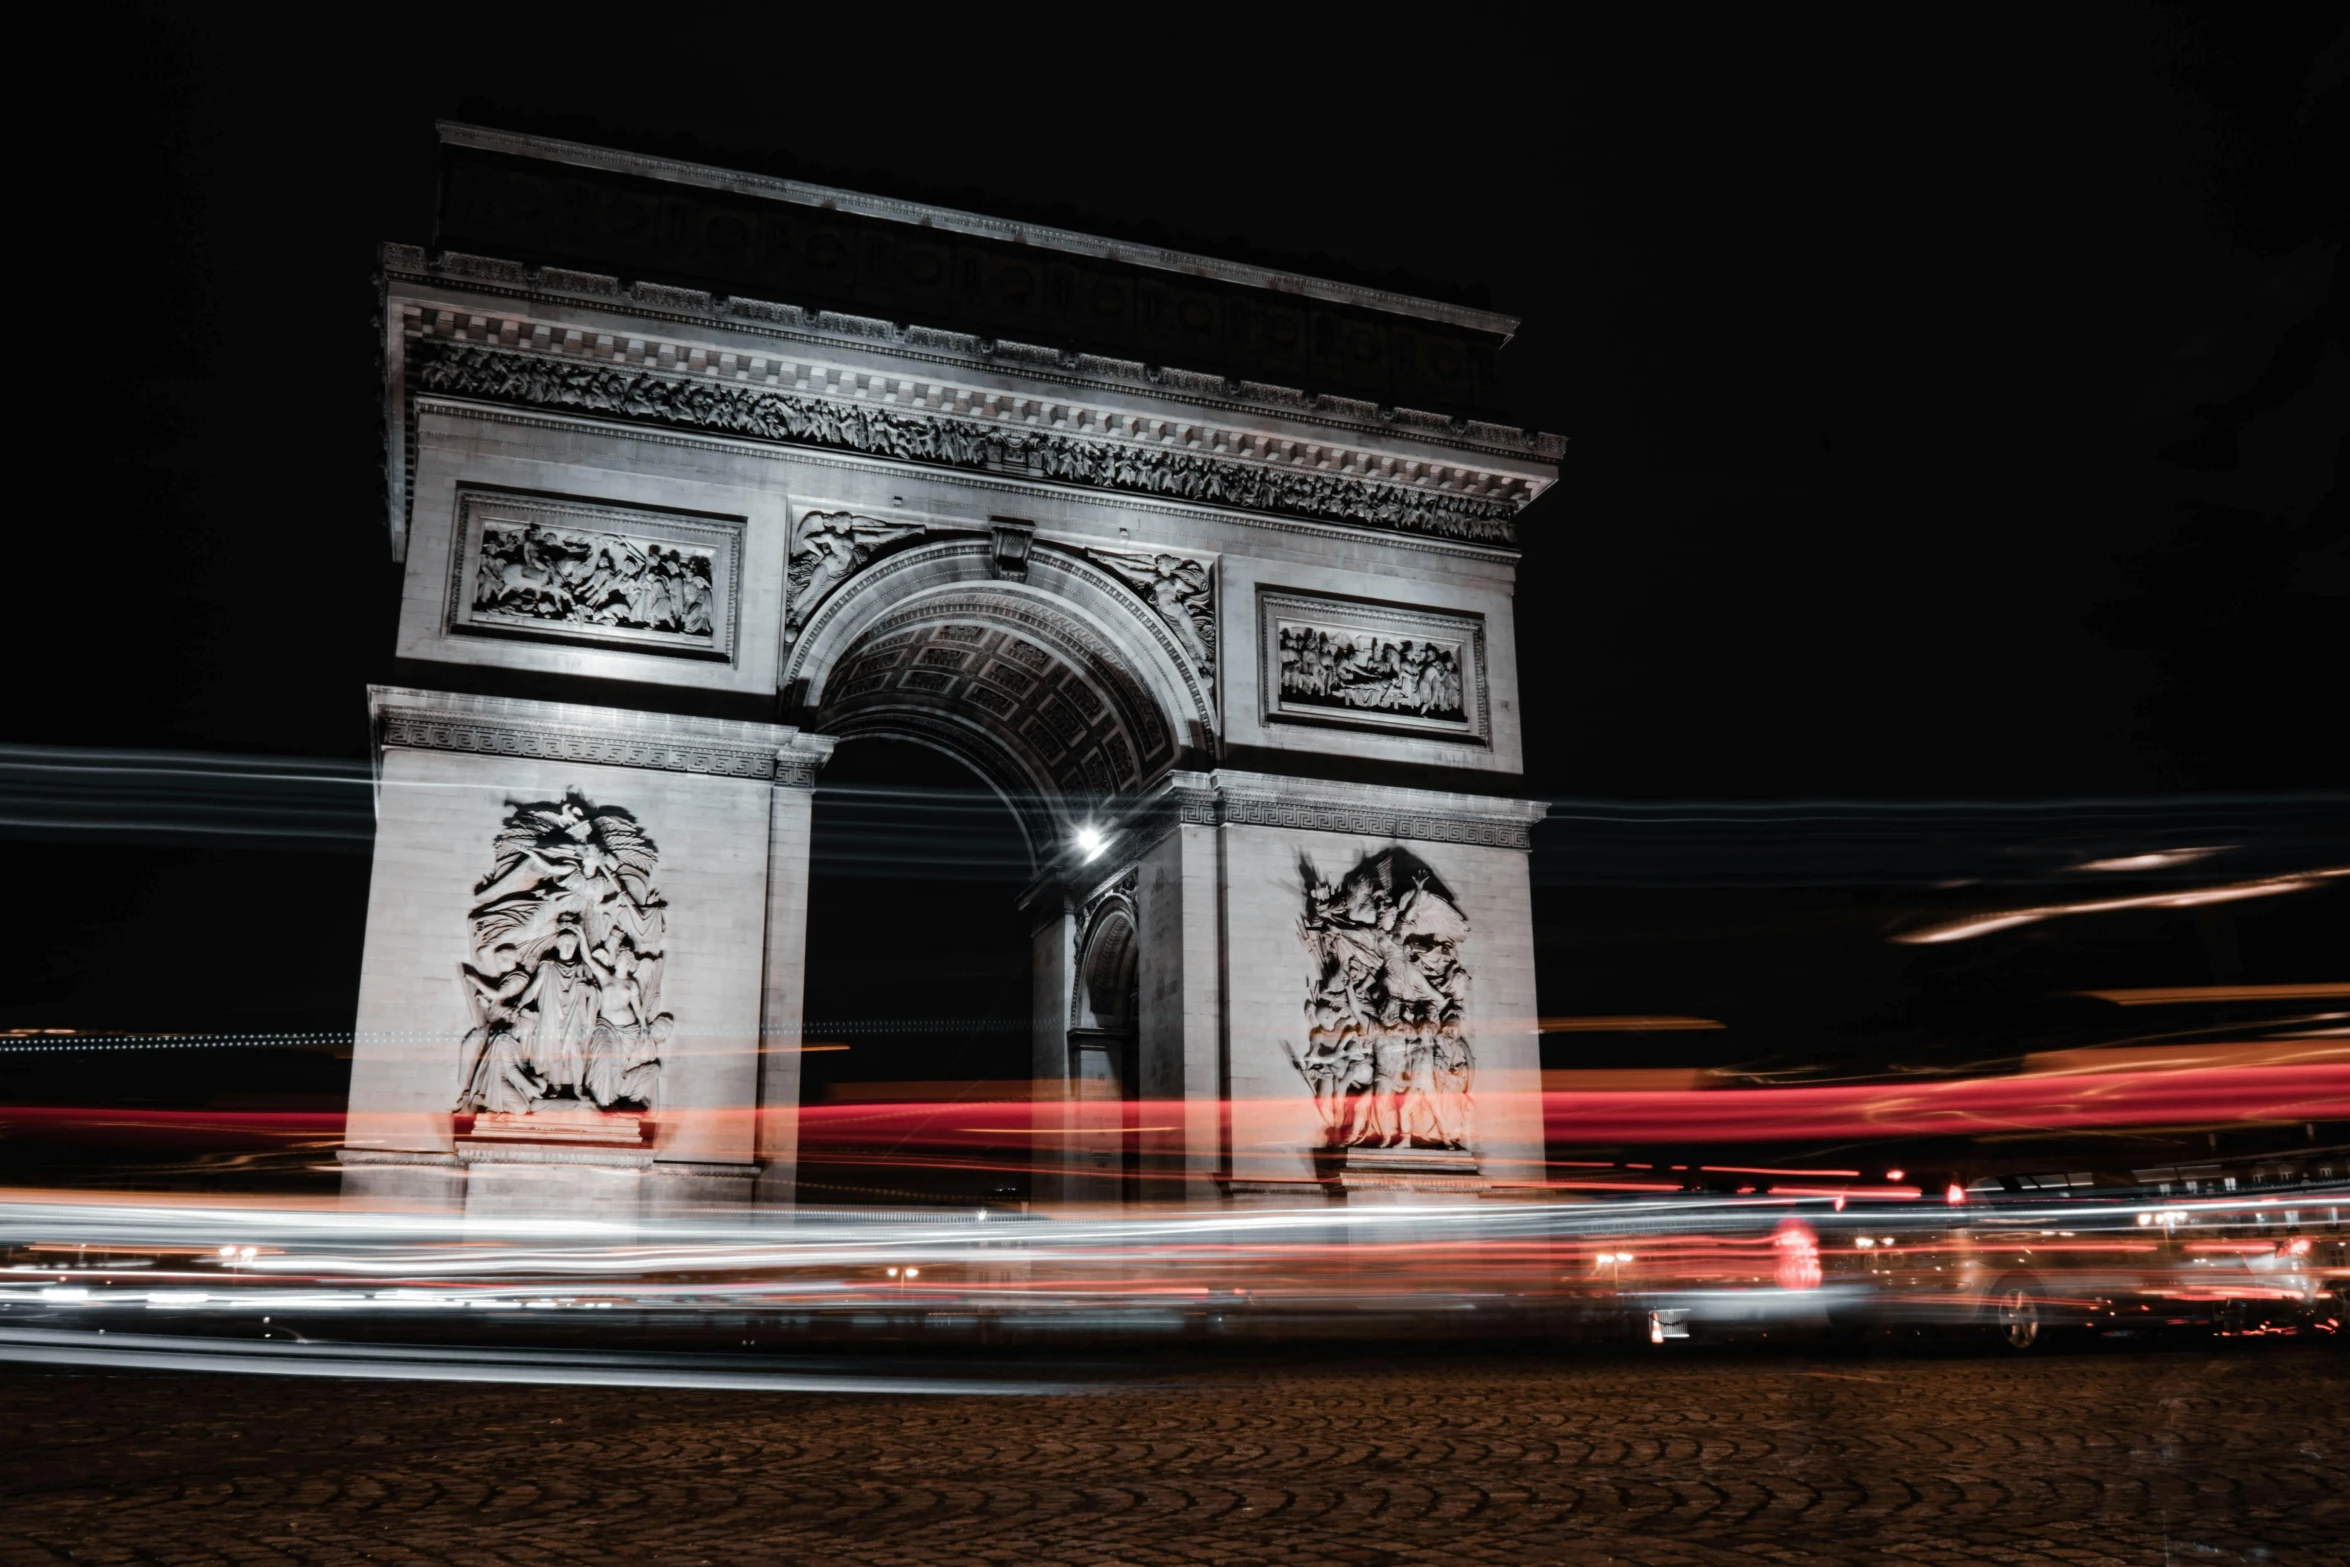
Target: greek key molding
471, 1153
594, 736
1312, 805
510, 376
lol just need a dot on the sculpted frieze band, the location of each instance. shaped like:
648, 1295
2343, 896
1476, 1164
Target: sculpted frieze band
529, 380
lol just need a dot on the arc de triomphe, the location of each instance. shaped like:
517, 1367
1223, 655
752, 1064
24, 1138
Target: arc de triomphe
1206, 568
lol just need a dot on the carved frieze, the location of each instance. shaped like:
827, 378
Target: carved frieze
585, 571
1351, 662
1179, 590
568, 947
682, 400
829, 547
1387, 1055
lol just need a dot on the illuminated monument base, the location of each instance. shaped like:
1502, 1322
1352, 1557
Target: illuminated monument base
1239, 656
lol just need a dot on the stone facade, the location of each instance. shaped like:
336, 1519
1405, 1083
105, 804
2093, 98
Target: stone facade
676, 538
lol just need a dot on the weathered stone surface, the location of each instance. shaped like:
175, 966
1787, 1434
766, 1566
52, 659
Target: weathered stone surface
1074, 574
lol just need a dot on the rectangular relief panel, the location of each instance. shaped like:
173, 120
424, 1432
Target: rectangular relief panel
1361, 664
563, 569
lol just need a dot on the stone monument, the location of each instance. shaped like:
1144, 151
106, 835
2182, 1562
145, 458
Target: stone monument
1206, 568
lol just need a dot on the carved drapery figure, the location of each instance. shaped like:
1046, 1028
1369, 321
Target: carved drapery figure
1179, 590
582, 577
828, 547
568, 950
1387, 1053
1362, 671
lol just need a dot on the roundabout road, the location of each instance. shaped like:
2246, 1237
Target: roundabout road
2240, 1454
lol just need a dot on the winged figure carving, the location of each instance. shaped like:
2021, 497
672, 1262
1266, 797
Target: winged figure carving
829, 547
1180, 591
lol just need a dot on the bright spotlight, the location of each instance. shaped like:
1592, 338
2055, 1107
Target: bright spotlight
1090, 841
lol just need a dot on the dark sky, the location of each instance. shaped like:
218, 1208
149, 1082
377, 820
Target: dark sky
1871, 338
1956, 400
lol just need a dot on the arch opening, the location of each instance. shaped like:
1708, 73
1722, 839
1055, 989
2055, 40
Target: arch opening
918, 965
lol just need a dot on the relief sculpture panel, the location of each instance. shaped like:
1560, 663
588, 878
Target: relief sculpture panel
1372, 666
1180, 592
1387, 1052
565, 979
578, 571
828, 548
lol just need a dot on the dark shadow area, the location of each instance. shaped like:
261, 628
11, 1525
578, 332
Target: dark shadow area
918, 964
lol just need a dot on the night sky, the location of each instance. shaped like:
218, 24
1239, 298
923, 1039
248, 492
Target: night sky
1955, 401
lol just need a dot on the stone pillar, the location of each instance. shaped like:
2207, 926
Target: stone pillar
783, 995
1179, 905
584, 889
1429, 893
1051, 974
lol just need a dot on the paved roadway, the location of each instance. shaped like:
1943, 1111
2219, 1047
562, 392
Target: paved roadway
2175, 1457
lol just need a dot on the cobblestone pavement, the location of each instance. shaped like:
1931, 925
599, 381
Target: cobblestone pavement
2165, 1457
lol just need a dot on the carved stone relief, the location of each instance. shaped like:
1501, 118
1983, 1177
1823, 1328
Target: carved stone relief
526, 380
1387, 1048
580, 571
1114, 899
1372, 666
829, 547
565, 979
1181, 591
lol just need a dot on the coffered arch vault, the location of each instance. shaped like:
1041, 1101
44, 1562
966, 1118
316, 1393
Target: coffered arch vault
1060, 688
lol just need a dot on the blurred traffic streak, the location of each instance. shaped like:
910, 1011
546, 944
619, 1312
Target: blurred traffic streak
1984, 924
2302, 1082
2013, 1261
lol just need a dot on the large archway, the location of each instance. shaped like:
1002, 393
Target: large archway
1041, 675
918, 972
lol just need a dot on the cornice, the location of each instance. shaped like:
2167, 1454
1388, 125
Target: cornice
678, 398
977, 225
961, 352
410, 719
550, 419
